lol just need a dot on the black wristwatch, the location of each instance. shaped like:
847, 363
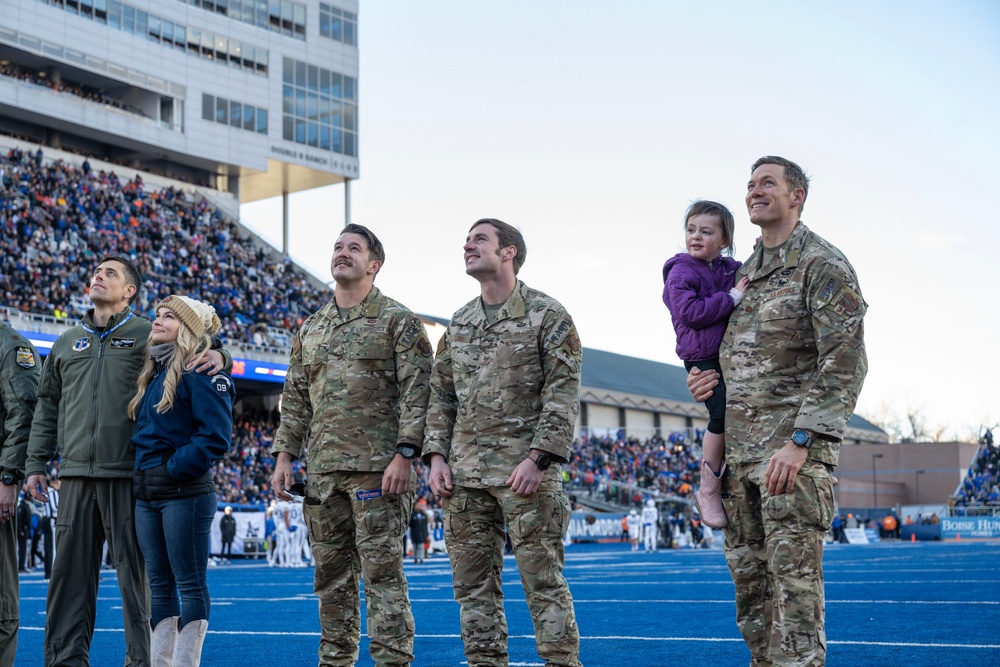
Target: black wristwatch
408, 452
8, 479
543, 461
802, 438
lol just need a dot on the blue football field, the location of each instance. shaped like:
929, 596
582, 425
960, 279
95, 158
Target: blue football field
891, 604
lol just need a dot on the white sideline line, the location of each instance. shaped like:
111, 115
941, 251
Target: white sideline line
710, 640
729, 582
933, 602
312, 599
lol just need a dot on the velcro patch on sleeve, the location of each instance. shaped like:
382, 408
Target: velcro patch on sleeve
25, 357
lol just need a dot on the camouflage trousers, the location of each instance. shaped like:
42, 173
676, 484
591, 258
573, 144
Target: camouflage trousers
474, 522
774, 549
352, 536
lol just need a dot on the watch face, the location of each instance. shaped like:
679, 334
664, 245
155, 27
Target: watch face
7, 479
800, 438
543, 461
407, 451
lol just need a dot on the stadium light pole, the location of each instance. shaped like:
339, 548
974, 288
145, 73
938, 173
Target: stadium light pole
875, 481
919, 473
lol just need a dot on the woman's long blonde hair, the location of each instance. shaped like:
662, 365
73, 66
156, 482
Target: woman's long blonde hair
186, 346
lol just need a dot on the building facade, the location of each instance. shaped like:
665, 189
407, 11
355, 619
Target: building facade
255, 98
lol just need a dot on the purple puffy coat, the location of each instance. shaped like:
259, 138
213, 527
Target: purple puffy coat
697, 294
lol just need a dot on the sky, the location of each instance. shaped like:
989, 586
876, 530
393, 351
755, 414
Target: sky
592, 126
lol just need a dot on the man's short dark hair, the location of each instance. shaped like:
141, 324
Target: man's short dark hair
507, 235
375, 249
132, 275
795, 176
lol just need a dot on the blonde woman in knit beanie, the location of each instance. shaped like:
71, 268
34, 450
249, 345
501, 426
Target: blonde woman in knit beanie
184, 424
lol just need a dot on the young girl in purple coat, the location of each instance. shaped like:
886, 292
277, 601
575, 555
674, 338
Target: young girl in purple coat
699, 291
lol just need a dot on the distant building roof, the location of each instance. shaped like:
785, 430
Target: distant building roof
618, 372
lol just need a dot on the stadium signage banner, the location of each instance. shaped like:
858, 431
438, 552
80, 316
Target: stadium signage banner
300, 155
249, 528
594, 527
969, 526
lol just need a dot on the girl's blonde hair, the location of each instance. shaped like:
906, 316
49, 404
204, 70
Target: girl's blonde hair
188, 345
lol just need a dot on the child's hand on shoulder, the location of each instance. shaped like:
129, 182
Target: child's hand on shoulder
736, 293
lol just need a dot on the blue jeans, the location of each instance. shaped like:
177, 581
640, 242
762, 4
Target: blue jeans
174, 539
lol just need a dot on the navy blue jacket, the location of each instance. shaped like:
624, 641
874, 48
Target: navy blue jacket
188, 439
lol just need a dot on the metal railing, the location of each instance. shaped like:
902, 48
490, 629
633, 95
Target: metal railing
615, 495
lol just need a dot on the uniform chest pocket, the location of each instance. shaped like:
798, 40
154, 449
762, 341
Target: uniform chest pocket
374, 351
517, 350
466, 359
785, 312
314, 354
519, 369
371, 362
784, 324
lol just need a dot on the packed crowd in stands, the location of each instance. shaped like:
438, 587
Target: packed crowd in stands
59, 220
614, 469
607, 466
243, 476
600, 466
97, 95
981, 485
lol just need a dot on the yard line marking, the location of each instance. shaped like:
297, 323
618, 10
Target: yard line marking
729, 582
709, 640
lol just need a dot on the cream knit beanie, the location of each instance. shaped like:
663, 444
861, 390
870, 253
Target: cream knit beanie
199, 317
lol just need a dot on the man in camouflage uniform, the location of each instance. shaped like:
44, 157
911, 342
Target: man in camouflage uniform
19, 372
505, 393
357, 384
794, 361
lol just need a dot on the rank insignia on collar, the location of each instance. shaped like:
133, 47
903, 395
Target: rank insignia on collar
81, 344
25, 357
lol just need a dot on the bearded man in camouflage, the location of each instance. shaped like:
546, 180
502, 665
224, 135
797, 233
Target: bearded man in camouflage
357, 386
505, 392
794, 361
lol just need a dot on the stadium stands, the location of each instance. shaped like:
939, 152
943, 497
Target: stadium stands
981, 485
96, 95
613, 469
58, 220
